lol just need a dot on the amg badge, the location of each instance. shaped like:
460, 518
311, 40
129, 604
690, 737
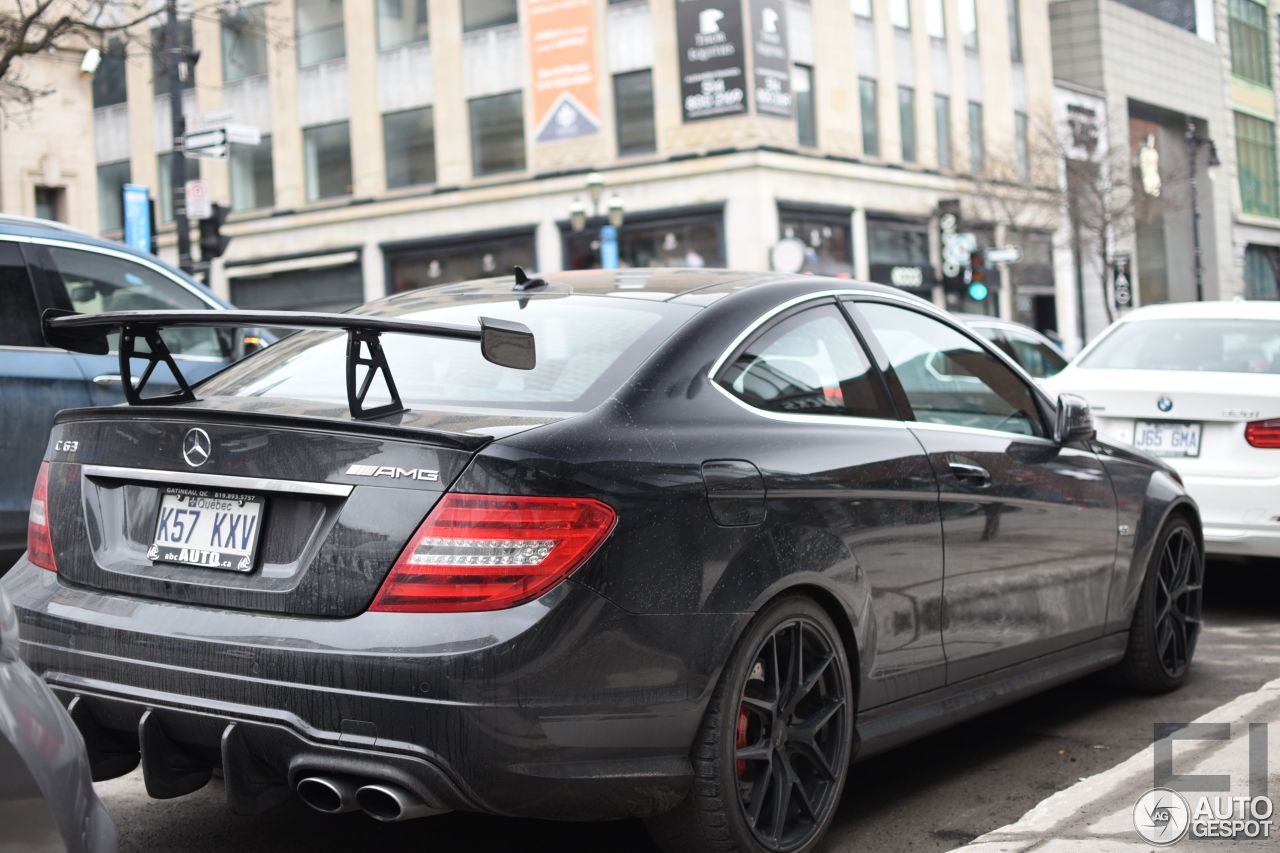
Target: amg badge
424, 474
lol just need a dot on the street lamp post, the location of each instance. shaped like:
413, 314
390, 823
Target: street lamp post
1194, 143
615, 210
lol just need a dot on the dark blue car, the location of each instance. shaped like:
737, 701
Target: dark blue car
48, 265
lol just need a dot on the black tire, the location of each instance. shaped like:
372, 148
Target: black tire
807, 756
1167, 619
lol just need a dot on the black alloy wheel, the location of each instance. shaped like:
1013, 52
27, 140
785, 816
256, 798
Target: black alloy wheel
1179, 582
772, 755
1168, 617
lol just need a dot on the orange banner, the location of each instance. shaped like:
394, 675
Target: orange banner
562, 59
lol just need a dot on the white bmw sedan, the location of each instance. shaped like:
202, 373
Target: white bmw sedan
1197, 383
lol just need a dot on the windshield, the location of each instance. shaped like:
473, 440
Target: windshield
586, 347
1223, 346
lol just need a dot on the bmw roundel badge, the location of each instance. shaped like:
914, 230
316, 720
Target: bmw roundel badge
1164, 404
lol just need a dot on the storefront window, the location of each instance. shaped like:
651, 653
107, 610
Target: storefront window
898, 253
334, 288
449, 261
694, 240
826, 237
1032, 280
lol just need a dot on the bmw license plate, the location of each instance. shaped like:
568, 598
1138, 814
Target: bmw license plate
216, 530
1165, 438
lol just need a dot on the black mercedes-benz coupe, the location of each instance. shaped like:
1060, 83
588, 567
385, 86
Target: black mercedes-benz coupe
672, 544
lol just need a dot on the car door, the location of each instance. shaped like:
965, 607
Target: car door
848, 487
90, 280
35, 383
1029, 525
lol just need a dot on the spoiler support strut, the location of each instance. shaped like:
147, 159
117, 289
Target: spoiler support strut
502, 342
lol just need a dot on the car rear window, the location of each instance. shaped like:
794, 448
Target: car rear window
586, 348
1211, 345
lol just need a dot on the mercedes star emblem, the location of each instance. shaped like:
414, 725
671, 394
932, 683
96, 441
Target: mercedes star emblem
196, 447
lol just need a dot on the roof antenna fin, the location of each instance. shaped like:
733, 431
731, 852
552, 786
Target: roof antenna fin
523, 282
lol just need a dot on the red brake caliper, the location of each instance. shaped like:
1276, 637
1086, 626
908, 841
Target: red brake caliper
741, 739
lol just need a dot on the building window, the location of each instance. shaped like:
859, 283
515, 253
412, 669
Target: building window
109, 81
633, 111
1250, 51
690, 240
160, 57
802, 93
1022, 145
401, 22
861, 8
497, 134
867, 101
826, 236
1180, 13
1256, 153
164, 184
968, 13
1015, 30
449, 261
482, 14
898, 252
907, 122
977, 144
900, 14
51, 203
252, 176
111, 180
942, 129
321, 34
316, 288
935, 18
409, 139
326, 155
1261, 272
244, 42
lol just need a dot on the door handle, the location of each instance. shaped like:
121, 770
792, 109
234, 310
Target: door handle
106, 380
971, 475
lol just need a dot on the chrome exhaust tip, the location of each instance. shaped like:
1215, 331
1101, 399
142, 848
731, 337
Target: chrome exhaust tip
390, 803
328, 794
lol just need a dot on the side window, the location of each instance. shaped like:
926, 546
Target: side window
808, 363
1039, 359
92, 283
19, 318
949, 379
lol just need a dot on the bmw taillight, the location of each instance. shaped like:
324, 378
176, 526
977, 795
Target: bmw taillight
489, 552
1265, 434
39, 545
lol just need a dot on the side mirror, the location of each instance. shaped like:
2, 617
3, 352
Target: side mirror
1075, 421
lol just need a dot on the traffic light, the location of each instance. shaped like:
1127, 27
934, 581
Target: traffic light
212, 241
978, 290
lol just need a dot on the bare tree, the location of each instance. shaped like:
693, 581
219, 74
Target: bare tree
30, 28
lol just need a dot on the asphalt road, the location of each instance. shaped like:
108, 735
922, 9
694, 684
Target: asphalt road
933, 795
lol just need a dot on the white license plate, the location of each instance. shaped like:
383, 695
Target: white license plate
216, 530
1165, 438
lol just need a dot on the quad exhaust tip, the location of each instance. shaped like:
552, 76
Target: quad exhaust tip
389, 803
328, 794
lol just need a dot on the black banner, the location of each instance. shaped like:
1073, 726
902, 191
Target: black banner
712, 79
770, 57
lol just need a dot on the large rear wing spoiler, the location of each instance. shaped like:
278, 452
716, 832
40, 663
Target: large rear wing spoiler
501, 342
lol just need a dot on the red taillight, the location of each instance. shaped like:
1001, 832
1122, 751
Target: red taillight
1265, 434
487, 552
39, 546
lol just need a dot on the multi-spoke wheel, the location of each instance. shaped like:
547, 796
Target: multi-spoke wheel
773, 751
1166, 622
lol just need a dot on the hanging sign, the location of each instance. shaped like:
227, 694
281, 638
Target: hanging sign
562, 57
712, 76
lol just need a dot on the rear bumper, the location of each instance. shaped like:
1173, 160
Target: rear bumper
1240, 514
567, 707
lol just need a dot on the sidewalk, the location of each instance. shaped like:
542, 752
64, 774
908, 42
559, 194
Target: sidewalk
1095, 815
